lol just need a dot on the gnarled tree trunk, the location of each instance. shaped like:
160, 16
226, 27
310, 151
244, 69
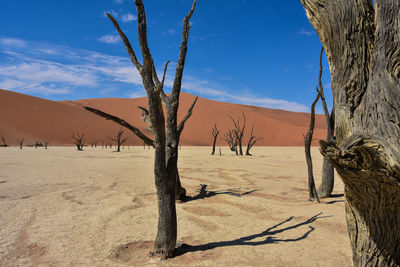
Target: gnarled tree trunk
362, 43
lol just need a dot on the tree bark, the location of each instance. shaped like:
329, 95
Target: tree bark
312, 191
363, 50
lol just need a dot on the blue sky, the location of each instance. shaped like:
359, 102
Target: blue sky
257, 52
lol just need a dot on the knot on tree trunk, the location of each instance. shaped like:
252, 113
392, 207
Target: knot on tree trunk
365, 156
372, 196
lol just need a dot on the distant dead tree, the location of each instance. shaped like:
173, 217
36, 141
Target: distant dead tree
239, 131
214, 133
327, 182
252, 141
20, 142
166, 132
230, 139
312, 191
119, 139
79, 141
38, 144
4, 144
46, 144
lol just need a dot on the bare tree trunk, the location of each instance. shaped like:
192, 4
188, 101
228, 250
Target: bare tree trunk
21, 142
312, 191
214, 133
363, 46
4, 142
327, 182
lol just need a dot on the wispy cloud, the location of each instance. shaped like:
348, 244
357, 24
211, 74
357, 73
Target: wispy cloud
119, 1
306, 32
109, 39
53, 70
13, 42
47, 70
128, 17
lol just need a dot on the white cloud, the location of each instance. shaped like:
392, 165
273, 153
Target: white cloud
13, 42
119, 1
65, 71
128, 17
305, 32
109, 39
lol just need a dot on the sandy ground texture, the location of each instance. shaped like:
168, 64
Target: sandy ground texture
61, 207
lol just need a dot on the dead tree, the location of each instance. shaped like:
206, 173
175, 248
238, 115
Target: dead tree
231, 140
20, 142
4, 142
119, 139
79, 141
166, 139
239, 132
327, 182
214, 133
362, 44
46, 144
312, 191
252, 141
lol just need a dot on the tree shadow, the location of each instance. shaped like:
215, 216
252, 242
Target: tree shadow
247, 240
204, 193
335, 196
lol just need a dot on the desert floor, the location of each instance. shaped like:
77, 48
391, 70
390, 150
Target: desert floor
61, 207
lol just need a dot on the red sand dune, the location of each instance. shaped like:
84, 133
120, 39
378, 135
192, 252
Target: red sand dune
36, 119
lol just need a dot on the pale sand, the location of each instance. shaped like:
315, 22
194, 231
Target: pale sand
61, 207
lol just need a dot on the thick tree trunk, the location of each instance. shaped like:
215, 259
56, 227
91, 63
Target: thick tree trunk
363, 48
165, 184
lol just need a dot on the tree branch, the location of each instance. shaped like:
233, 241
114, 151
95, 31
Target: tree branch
127, 44
142, 34
189, 113
123, 123
161, 86
182, 54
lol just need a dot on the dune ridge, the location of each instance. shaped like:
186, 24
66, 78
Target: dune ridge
37, 119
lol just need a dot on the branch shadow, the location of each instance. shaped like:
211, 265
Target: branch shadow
247, 240
204, 193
